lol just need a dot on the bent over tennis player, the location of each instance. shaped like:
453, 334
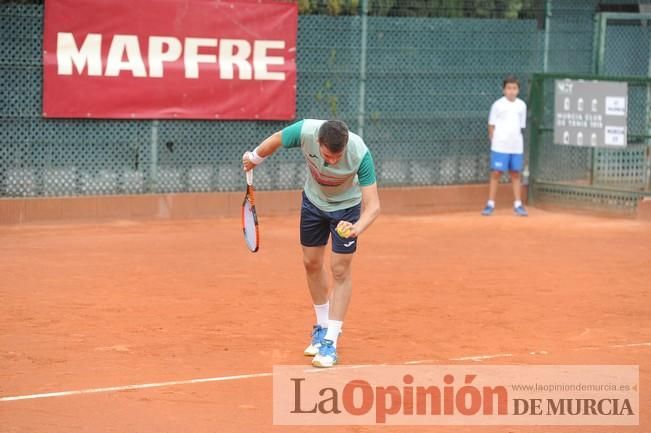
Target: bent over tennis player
340, 201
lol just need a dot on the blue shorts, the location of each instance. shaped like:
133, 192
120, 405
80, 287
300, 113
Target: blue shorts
506, 161
318, 225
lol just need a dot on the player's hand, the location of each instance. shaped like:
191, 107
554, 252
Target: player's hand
246, 162
347, 229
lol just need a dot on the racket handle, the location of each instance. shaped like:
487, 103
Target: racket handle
249, 177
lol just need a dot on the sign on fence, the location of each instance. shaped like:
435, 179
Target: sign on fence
590, 113
192, 59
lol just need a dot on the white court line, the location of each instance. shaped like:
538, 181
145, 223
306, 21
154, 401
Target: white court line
423, 361
138, 386
164, 384
615, 346
631, 345
269, 374
481, 357
461, 358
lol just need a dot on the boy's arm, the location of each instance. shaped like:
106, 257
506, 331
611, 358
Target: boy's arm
288, 137
491, 121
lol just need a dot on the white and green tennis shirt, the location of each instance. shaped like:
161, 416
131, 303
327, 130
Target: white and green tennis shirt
331, 187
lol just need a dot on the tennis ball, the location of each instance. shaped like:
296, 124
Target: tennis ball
344, 233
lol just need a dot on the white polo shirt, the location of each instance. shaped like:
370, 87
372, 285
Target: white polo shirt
509, 118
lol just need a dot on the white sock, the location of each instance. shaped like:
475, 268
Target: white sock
322, 314
490, 203
517, 203
334, 328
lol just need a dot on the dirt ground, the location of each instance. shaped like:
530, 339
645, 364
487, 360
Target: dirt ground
86, 306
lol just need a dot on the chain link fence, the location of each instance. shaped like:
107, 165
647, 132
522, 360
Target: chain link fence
419, 90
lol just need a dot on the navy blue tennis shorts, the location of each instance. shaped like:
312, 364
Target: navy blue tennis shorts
317, 225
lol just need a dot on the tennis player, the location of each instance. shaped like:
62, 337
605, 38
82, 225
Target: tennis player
507, 118
340, 201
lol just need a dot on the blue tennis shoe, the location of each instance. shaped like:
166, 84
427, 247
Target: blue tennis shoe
318, 334
488, 210
520, 211
327, 356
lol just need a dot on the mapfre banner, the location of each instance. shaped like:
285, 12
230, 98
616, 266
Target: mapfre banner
172, 59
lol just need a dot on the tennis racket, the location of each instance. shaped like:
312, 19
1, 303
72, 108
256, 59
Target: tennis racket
250, 217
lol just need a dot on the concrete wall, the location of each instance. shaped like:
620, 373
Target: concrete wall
413, 200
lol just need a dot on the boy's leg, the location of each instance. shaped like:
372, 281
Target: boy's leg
498, 163
492, 192
494, 184
517, 186
515, 166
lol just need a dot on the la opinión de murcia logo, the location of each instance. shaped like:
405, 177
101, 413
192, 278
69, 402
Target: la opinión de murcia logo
358, 397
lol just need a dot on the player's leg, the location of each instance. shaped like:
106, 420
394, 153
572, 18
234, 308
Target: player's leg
343, 250
516, 162
341, 287
315, 230
317, 282
316, 274
340, 299
497, 163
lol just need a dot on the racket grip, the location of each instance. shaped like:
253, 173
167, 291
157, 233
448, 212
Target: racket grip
249, 177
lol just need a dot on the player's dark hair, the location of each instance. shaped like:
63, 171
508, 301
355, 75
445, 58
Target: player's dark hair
333, 134
510, 79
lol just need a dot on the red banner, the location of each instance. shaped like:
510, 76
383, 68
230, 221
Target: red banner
172, 59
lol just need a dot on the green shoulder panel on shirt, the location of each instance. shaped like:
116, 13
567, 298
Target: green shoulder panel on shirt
366, 171
291, 135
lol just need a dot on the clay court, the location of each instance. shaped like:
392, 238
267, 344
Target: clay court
88, 306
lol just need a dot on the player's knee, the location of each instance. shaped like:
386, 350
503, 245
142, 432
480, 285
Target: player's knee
515, 174
340, 271
312, 264
496, 174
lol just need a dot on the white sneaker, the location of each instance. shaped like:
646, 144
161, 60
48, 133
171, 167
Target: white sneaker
327, 356
318, 333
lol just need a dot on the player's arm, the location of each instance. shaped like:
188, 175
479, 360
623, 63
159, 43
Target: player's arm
370, 209
260, 153
370, 199
288, 137
491, 129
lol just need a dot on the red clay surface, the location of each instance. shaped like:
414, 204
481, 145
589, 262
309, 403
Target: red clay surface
95, 305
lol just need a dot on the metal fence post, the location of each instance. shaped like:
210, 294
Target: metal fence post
548, 21
537, 103
153, 162
361, 109
599, 51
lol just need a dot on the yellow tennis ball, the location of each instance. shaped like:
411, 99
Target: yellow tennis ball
344, 233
